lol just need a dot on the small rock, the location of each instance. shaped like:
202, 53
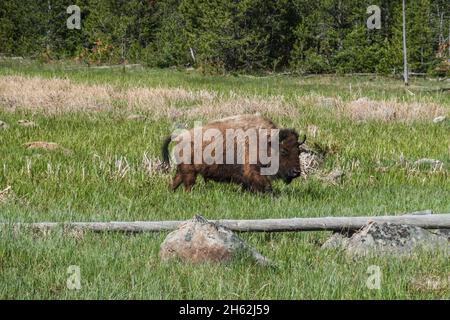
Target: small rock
136, 117
26, 123
3, 125
388, 239
198, 241
439, 119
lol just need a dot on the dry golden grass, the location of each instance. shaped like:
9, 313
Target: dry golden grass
238, 104
365, 109
427, 282
41, 145
53, 96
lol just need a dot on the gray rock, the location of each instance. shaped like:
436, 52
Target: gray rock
3, 125
199, 241
443, 232
388, 239
439, 119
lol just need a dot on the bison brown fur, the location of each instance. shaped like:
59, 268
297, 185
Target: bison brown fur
246, 174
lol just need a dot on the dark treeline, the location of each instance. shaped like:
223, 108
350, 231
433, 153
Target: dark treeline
305, 36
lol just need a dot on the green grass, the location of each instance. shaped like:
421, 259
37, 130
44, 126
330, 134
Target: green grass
85, 186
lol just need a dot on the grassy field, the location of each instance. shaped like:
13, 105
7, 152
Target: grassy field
105, 169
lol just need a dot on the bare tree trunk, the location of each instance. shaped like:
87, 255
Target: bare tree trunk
405, 59
48, 47
123, 55
441, 28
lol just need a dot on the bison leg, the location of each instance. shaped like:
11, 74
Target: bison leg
186, 174
258, 183
264, 187
177, 180
189, 181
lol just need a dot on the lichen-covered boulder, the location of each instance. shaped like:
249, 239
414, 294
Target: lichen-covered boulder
387, 238
198, 241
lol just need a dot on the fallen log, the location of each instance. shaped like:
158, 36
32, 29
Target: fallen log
427, 221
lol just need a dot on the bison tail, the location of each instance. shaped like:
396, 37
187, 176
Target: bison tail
165, 151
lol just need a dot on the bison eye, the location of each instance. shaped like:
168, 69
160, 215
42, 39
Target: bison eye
284, 152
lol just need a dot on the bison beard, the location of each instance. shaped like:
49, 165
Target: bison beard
248, 174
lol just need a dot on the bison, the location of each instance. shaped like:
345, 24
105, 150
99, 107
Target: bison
282, 146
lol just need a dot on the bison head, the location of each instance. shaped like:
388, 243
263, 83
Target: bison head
289, 164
